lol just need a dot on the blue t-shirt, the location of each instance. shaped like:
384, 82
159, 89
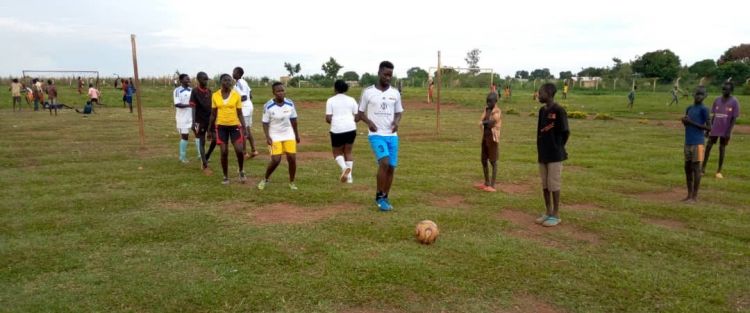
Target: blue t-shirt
699, 115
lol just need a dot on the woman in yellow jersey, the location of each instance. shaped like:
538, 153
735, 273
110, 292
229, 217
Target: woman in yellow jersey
227, 123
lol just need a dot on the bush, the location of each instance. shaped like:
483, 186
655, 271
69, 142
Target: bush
603, 116
532, 113
577, 115
512, 111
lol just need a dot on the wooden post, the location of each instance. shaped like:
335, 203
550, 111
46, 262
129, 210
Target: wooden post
439, 83
138, 92
654, 84
614, 84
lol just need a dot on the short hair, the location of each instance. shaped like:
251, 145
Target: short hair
15, 80
91, 85
731, 85
201, 74
273, 86
49, 82
701, 89
549, 88
239, 70
183, 75
385, 64
224, 75
340, 86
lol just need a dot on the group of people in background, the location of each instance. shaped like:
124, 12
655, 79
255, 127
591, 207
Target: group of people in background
226, 115
46, 95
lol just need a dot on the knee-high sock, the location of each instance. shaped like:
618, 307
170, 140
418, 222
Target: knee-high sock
350, 165
183, 149
340, 161
198, 147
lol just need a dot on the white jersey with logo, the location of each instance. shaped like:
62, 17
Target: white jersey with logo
342, 109
244, 90
381, 107
279, 119
183, 116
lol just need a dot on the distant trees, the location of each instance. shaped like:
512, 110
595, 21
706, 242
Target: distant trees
566, 75
739, 53
417, 76
541, 74
522, 74
368, 79
331, 68
703, 68
660, 63
472, 59
350, 76
292, 69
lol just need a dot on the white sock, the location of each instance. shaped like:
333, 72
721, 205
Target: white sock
350, 165
340, 161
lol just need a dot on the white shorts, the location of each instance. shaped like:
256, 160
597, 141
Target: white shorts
183, 131
184, 118
248, 121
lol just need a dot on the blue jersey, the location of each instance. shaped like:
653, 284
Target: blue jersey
699, 115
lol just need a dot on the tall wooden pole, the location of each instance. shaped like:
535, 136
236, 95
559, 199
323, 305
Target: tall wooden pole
138, 93
439, 84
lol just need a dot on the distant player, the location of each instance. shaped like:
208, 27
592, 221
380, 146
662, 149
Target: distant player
631, 97
38, 93
675, 99
80, 85
280, 126
15, 91
200, 101
94, 94
247, 108
228, 124
430, 92
490, 123
696, 123
552, 135
51, 91
124, 92
184, 115
380, 108
565, 90
725, 110
342, 114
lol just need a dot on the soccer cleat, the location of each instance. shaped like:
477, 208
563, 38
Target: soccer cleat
719, 176
345, 175
243, 179
225, 181
293, 186
551, 221
262, 184
383, 204
541, 219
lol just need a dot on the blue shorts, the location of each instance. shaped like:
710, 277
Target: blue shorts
385, 146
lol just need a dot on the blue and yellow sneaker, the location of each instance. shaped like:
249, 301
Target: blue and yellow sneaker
551, 221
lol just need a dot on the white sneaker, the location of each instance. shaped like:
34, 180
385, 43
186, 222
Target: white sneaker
345, 174
349, 179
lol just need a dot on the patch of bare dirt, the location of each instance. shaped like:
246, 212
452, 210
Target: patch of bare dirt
526, 303
453, 201
310, 105
740, 303
666, 223
286, 213
525, 228
581, 207
672, 195
367, 310
515, 188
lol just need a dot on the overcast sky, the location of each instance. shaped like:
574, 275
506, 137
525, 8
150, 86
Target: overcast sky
261, 35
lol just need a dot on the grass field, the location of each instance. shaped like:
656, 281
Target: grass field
92, 222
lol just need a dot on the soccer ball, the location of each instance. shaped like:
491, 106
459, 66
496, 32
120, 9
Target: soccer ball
427, 232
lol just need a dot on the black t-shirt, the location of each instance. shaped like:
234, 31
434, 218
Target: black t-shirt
200, 100
552, 134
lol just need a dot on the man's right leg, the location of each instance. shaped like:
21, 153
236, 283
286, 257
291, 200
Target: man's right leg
723, 141
689, 179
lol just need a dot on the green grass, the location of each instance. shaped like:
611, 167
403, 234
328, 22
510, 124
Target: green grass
91, 222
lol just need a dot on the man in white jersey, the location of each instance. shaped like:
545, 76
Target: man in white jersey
342, 114
380, 108
246, 95
184, 115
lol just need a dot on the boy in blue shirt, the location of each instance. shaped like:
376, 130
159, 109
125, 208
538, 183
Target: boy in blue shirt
696, 121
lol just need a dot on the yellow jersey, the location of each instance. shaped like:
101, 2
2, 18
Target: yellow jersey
226, 113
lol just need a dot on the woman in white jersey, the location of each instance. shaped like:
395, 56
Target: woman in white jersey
341, 113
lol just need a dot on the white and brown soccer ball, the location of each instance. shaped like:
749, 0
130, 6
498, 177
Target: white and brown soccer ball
427, 232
